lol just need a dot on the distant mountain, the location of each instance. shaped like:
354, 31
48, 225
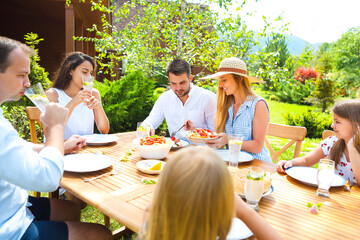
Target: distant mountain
295, 44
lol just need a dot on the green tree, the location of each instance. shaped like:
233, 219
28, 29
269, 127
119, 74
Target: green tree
346, 55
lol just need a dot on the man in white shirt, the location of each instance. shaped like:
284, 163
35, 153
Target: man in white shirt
183, 102
25, 166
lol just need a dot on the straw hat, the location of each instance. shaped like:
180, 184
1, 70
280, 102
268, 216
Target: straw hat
232, 65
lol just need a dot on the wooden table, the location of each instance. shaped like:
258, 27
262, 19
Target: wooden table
123, 197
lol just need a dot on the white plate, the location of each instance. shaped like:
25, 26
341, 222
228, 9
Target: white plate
144, 166
244, 156
99, 139
308, 176
86, 162
238, 230
183, 144
268, 192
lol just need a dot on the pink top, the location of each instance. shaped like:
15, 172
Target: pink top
344, 167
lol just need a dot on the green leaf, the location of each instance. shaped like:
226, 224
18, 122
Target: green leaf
309, 204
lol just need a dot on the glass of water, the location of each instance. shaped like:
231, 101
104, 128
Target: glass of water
325, 177
235, 143
37, 95
88, 82
254, 187
142, 130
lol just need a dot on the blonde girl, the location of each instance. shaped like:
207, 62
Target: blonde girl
198, 202
239, 110
343, 148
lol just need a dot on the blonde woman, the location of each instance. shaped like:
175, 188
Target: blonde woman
239, 110
343, 148
198, 202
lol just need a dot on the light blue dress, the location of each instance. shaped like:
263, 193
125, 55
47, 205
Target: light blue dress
242, 124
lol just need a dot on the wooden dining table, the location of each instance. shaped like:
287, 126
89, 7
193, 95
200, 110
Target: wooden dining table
124, 197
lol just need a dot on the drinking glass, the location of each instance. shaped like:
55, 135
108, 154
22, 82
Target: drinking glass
88, 82
254, 187
142, 130
37, 95
235, 143
325, 177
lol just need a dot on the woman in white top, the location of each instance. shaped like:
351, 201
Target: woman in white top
84, 106
343, 148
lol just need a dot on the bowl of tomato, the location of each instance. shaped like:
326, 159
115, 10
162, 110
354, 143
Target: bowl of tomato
200, 136
153, 147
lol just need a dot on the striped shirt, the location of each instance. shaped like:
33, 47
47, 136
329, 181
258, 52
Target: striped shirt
242, 124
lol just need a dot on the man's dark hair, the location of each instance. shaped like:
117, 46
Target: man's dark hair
72, 61
178, 67
8, 45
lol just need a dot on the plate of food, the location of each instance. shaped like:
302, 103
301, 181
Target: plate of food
200, 135
243, 157
150, 166
99, 139
86, 162
178, 143
153, 147
308, 175
239, 180
238, 230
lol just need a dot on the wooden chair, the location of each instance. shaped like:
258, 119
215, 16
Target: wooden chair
327, 133
294, 133
33, 114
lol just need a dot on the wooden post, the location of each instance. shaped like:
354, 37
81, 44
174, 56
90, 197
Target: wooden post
79, 45
69, 28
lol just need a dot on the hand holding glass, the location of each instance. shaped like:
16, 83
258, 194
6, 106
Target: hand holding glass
325, 177
254, 187
37, 95
235, 143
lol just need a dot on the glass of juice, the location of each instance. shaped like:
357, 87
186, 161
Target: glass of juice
37, 95
325, 175
235, 143
254, 187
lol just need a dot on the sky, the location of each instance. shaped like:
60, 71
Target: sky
315, 21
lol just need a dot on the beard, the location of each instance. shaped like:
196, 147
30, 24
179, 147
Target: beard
186, 92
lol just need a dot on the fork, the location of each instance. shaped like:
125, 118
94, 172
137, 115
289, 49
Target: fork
174, 133
348, 186
113, 172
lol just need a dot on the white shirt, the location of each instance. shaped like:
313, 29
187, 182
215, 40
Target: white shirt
200, 108
23, 169
81, 120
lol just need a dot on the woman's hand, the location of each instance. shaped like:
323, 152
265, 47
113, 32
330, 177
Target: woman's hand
282, 165
92, 103
74, 143
81, 96
220, 141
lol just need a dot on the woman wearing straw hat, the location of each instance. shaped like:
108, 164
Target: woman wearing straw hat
239, 110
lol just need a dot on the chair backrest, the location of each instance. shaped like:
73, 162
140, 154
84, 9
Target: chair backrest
327, 133
33, 114
294, 133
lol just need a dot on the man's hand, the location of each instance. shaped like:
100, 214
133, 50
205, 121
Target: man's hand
54, 115
74, 143
189, 125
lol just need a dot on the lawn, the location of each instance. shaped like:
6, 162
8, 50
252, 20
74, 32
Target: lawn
277, 109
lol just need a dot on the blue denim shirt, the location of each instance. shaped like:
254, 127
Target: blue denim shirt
242, 124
